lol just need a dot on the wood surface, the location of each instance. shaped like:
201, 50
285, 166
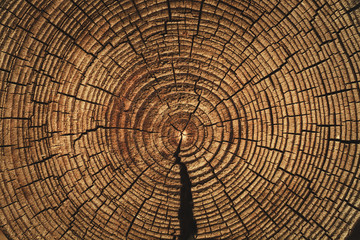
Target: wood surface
164, 119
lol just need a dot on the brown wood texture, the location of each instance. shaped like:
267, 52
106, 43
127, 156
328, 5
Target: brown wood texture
95, 96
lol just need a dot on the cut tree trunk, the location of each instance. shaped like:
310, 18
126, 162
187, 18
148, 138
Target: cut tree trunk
164, 119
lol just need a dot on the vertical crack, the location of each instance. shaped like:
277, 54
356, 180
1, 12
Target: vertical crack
187, 221
137, 213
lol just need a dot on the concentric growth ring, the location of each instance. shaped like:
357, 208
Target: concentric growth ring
179, 119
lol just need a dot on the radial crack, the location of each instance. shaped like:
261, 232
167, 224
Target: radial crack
231, 201
137, 213
105, 127
188, 226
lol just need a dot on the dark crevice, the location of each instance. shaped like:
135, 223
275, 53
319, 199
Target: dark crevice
355, 232
169, 9
188, 228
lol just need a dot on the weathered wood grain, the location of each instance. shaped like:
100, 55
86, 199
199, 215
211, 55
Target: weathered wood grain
164, 119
